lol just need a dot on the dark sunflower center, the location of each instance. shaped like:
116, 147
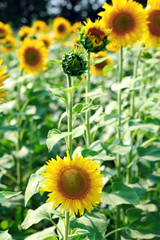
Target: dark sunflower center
46, 43
31, 56
8, 44
74, 183
95, 31
154, 22
2, 32
61, 28
101, 65
123, 23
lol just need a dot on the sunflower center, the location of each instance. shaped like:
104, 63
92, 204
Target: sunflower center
61, 28
101, 65
95, 31
154, 22
123, 23
2, 32
32, 56
8, 44
74, 183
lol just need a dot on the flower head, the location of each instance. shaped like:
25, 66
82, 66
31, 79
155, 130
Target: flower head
4, 30
94, 37
45, 39
98, 68
33, 56
2, 78
39, 27
127, 19
74, 64
24, 32
76, 184
152, 35
8, 43
61, 27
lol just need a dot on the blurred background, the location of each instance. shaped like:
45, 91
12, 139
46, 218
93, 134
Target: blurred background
24, 12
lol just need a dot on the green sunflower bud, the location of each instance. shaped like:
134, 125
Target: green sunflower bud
88, 44
74, 64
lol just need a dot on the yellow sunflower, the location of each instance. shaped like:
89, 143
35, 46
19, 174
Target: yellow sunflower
24, 32
75, 27
95, 32
76, 184
33, 56
127, 19
39, 27
98, 68
2, 78
61, 27
112, 47
152, 35
4, 30
9, 44
46, 40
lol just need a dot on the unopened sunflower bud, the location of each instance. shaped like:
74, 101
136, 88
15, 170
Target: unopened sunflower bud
74, 64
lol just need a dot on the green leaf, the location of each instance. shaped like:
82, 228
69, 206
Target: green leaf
138, 124
55, 136
34, 183
94, 155
119, 149
144, 225
94, 222
111, 116
151, 153
48, 232
4, 235
60, 93
121, 194
83, 107
107, 69
98, 60
4, 195
35, 216
8, 128
55, 61
51, 238
7, 161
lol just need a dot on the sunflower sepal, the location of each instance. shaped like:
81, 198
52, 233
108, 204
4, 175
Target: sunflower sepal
88, 45
74, 63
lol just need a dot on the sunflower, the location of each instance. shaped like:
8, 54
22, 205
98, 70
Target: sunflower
33, 56
98, 68
8, 43
2, 78
127, 19
152, 35
112, 47
46, 40
39, 27
94, 36
4, 30
75, 27
76, 184
61, 27
24, 32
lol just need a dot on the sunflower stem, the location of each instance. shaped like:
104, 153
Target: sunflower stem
87, 116
70, 115
117, 223
132, 96
66, 236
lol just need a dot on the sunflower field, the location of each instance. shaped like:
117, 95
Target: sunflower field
80, 127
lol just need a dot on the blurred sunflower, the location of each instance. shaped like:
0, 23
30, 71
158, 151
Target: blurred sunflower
127, 19
76, 44
24, 32
76, 184
94, 36
75, 27
2, 78
152, 35
33, 56
8, 43
61, 27
112, 47
4, 30
98, 68
46, 40
39, 27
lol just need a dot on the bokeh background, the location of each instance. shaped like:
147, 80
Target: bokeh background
24, 12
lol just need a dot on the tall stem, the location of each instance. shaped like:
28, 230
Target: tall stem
88, 87
69, 114
117, 223
132, 97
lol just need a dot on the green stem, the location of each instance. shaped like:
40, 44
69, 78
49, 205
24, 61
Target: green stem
87, 115
132, 98
117, 222
114, 231
66, 236
56, 227
69, 110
